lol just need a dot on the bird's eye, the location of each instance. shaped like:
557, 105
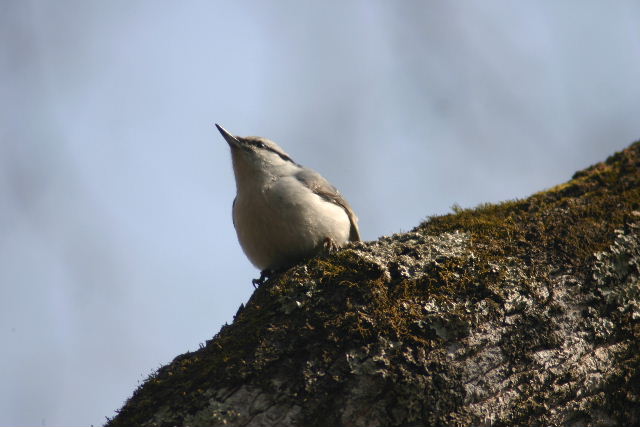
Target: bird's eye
261, 145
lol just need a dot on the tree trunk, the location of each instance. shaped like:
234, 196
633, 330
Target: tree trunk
521, 313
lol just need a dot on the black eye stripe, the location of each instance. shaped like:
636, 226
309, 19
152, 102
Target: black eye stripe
257, 144
263, 146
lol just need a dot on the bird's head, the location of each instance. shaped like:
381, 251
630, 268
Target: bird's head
255, 157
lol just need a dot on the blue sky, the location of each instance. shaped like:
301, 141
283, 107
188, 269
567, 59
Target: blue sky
117, 251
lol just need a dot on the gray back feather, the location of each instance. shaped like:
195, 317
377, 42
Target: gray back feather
323, 188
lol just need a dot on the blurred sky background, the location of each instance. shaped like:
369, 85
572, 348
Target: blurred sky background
117, 251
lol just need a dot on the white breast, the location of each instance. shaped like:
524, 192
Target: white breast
286, 222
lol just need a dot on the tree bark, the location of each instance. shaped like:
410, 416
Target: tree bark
521, 313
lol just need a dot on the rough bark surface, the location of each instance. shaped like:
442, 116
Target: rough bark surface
521, 313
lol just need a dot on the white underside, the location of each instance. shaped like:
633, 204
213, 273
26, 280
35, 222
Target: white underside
276, 232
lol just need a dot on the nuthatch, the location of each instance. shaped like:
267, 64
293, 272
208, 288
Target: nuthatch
284, 212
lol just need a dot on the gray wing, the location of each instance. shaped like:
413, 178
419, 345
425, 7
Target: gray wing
323, 188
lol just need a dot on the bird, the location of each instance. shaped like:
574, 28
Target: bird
283, 212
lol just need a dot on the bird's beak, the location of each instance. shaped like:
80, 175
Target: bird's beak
231, 140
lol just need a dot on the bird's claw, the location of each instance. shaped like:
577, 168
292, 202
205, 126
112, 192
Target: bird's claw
329, 245
264, 276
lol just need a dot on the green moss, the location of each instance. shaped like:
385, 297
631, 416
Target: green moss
566, 224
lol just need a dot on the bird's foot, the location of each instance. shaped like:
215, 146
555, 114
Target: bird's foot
329, 245
264, 276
